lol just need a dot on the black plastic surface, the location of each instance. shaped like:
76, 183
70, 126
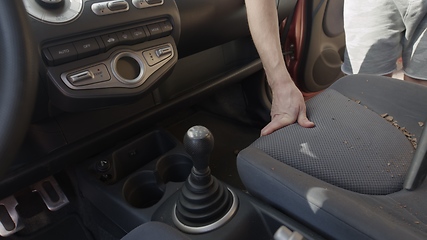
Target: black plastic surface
126, 159
132, 200
215, 23
18, 81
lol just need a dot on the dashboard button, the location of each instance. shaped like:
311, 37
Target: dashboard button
87, 48
163, 51
157, 55
166, 28
125, 37
63, 53
118, 5
151, 2
138, 34
81, 76
109, 7
110, 40
92, 75
147, 3
155, 30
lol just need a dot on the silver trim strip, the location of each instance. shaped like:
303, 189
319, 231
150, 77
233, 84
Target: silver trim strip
212, 226
134, 57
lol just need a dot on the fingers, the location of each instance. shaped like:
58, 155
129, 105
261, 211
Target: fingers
278, 121
283, 120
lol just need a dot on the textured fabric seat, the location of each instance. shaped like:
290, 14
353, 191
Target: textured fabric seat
345, 177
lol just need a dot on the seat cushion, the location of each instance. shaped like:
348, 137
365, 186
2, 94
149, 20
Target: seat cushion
350, 147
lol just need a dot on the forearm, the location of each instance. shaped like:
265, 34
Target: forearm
264, 27
288, 103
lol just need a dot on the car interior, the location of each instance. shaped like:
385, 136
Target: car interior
141, 119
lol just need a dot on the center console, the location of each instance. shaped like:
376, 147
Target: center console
153, 178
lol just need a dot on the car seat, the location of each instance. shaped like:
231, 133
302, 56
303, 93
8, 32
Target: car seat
348, 177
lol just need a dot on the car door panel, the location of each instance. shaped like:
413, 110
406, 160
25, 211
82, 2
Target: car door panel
317, 41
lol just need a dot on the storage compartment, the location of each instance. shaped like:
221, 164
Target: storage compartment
115, 165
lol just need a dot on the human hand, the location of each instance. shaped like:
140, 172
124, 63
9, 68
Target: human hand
288, 107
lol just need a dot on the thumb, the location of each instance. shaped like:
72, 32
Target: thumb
303, 120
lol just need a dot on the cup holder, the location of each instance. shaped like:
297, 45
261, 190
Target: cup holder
143, 190
174, 168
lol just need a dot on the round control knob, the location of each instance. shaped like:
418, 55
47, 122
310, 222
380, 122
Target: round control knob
50, 3
199, 142
54, 11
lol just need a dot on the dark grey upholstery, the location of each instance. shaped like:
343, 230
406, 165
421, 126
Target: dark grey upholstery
344, 130
345, 176
155, 231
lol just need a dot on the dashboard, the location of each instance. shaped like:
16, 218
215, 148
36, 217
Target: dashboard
108, 69
96, 54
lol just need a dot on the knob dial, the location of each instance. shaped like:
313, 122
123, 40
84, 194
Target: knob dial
50, 3
54, 11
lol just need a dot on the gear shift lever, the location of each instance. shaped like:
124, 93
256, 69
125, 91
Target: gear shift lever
199, 142
204, 203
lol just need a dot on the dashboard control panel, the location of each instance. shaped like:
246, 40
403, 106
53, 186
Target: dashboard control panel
125, 69
71, 51
101, 53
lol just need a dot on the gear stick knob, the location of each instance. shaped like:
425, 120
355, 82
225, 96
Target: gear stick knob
199, 142
204, 203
